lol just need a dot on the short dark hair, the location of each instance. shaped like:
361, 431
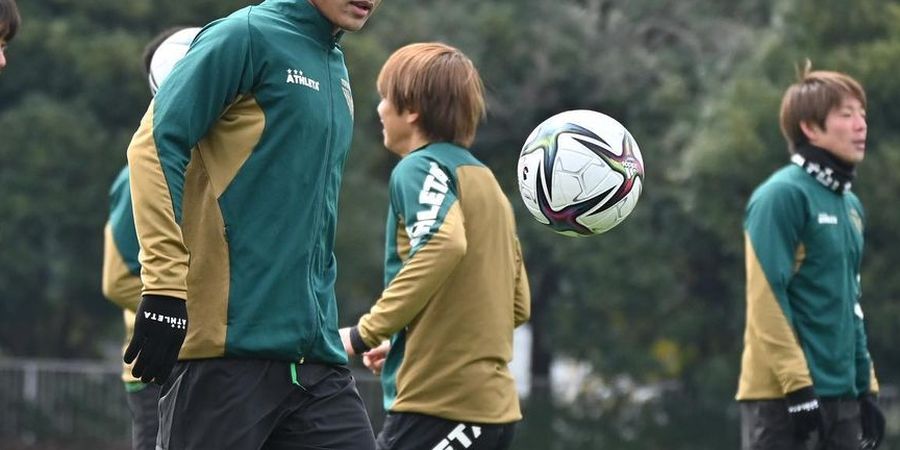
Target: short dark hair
154, 44
9, 19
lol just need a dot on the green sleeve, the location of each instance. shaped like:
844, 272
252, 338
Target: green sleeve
421, 195
773, 222
216, 70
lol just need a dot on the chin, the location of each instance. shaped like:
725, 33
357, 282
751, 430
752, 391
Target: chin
352, 25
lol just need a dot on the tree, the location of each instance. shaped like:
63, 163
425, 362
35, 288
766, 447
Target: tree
69, 103
656, 303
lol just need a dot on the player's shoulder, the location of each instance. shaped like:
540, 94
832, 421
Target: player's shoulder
853, 197
854, 200
443, 156
237, 25
415, 165
786, 181
452, 155
785, 192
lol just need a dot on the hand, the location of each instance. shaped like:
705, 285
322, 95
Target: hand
159, 330
872, 422
374, 359
803, 409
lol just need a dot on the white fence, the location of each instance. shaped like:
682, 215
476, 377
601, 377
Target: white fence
81, 404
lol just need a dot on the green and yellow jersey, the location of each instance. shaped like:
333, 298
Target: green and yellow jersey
804, 245
235, 173
456, 288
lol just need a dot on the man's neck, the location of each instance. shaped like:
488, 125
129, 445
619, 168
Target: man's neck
831, 172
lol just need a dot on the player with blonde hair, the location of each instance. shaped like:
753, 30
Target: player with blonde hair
456, 285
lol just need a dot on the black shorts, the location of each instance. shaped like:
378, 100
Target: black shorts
254, 404
410, 431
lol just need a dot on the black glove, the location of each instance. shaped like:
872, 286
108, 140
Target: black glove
159, 330
872, 422
803, 409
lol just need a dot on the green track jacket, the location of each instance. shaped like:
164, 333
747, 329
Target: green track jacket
456, 287
804, 244
235, 174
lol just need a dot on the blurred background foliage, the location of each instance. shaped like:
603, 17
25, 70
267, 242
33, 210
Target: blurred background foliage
657, 302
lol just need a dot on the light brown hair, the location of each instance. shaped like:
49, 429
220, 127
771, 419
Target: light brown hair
811, 98
439, 83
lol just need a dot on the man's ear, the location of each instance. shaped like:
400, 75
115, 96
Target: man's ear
810, 129
411, 117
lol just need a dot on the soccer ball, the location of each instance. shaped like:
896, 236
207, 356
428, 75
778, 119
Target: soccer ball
580, 172
169, 52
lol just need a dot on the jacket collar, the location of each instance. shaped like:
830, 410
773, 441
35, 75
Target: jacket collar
303, 13
825, 168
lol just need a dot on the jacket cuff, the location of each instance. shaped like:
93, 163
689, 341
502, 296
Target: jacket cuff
357, 342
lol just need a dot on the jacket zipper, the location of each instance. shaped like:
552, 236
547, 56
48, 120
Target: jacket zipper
317, 258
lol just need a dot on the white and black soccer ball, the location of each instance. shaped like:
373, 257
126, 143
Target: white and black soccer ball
580, 173
169, 52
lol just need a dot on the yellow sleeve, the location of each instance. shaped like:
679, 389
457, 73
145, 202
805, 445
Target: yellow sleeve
164, 256
416, 283
523, 290
769, 330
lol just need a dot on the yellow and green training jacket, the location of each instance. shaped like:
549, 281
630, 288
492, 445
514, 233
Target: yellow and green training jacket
456, 287
804, 245
235, 173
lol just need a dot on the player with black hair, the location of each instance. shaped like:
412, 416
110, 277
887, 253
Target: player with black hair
235, 173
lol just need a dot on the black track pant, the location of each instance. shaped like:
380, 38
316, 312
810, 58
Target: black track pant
254, 404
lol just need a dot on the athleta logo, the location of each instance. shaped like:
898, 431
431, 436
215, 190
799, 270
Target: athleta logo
173, 322
432, 196
823, 174
458, 435
295, 76
811, 405
827, 219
